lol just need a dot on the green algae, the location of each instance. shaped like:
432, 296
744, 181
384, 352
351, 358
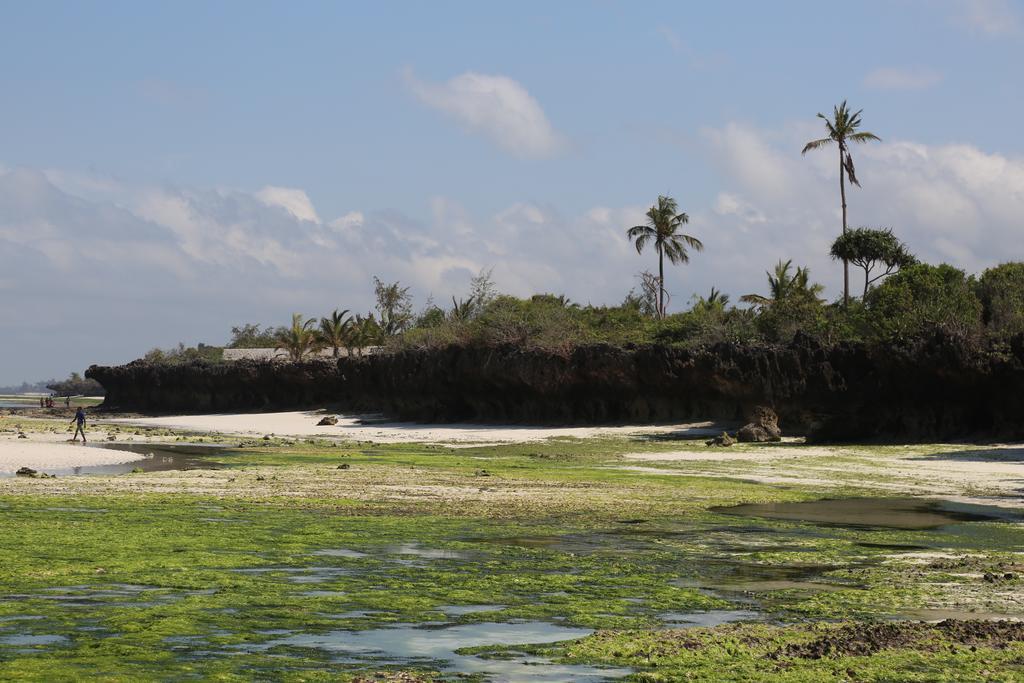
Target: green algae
147, 586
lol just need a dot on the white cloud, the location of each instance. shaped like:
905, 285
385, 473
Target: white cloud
988, 17
670, 36
496, 106
161, 264
902, 78
952, 203
294, 201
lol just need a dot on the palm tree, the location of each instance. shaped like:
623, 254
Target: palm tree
364, 331
783, 286
300, 339
842, 129
715, 301
333, 330
662, 227
462, 311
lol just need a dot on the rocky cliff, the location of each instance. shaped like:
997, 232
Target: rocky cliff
934, 389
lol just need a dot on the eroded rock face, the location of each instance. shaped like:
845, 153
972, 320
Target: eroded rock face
938, 388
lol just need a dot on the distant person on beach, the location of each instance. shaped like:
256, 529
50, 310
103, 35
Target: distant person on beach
42, 403
67, 401
80, 419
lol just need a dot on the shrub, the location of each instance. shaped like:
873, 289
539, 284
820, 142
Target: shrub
1001, 291
922, 298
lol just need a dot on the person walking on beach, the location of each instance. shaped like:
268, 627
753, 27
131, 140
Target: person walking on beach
80, 419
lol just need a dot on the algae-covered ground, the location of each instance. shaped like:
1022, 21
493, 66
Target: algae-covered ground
626, 557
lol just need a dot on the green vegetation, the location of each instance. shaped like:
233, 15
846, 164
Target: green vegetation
300, 339
76, 385
924, 297
905, 301
867, 248
184, 354
1001, 291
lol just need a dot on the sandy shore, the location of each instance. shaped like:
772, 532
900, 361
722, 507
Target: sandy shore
47, 456
304, 424
968, 473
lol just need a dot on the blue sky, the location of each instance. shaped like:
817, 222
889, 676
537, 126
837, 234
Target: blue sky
176, 168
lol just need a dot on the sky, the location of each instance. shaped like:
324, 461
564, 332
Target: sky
171, 169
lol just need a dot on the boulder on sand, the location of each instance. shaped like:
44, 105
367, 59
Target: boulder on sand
763, 426
327, 421
723, 440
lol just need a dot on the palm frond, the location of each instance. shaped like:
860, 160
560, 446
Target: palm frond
815, 144
864, 137
851, 172
641, 235
675, 251
692, 242
756, 299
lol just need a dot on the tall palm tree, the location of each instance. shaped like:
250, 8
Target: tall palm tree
300, 339
842, 130
663, 223
334, 329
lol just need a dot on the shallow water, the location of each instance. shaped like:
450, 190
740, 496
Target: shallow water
32, 640
910, 514
408, 644
152, 458
19, 404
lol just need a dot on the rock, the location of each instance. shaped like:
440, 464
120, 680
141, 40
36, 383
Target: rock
22, 435
723, 440
343, 466
266, 437
763, 426
26, 472
327, 421
938, 387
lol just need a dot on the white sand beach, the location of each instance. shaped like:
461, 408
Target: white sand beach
48, 456
304, 424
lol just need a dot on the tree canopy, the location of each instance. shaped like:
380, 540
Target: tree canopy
868, 248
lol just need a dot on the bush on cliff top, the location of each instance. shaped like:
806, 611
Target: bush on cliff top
923, 298
910, 305
1001, 291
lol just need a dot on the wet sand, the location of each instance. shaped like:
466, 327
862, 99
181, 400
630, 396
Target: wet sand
298, 423
46, 456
